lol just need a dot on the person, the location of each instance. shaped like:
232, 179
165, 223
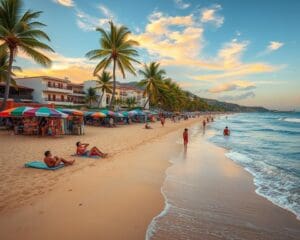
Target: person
204, 123
82, 150
185, 137
111, 122
226, 131
162, 121
55, 161
147, 126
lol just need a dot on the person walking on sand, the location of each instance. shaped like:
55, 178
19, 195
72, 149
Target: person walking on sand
185, 137
162, 121
55, 161
203, 123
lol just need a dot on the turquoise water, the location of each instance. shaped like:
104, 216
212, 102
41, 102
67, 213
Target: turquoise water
268, 146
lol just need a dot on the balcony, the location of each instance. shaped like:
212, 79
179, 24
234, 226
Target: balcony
58, 101
58, 89
78, 93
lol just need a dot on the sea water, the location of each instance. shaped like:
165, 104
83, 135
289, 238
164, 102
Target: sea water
265, 144
268, 146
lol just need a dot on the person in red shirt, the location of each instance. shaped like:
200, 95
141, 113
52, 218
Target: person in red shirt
226, 131
185, 137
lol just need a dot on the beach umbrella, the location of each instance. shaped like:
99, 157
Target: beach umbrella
73, 112
96, 114
108, 112
45, 112
120, 115
14, 112
125, 114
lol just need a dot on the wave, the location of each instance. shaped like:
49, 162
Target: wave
293, 120
281, 193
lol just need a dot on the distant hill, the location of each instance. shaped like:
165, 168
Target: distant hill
232, 107
217, 105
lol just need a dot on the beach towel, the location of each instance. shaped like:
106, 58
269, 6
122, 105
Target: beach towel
42, 165
85, 156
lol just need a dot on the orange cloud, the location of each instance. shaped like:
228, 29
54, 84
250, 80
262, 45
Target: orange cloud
230, 86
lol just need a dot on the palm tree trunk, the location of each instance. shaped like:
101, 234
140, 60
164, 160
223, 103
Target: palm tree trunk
114, 85
147, 102
100, 100
8, 79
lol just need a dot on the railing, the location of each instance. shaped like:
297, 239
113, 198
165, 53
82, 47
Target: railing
58, 100
79, 92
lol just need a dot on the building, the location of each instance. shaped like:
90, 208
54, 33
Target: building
123, 92
17, 93
78, 95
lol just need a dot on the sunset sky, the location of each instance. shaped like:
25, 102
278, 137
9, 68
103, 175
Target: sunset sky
247, 52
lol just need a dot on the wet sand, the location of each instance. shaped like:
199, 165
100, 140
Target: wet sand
116, 198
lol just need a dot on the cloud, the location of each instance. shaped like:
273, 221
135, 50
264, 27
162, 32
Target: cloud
231, 86
66, 3
106, 11
210, 15
75, 68
273, 46
181, 4
238, 97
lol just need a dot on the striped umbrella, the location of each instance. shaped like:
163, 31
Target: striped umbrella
45, 112
136, 112
14, 112
95, 114
73, 112
108, 112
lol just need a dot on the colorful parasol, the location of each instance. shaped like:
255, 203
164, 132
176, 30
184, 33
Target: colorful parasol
95, 114
108, 112
73, 112
119, 115
136, 112
45, 112
15, 112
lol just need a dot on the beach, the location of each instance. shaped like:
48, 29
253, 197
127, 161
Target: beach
117, 197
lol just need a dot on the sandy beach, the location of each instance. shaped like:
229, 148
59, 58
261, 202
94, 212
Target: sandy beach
117, 197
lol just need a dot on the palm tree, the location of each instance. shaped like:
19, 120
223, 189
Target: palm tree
91, 96
116, 49
152, 82
21, 31
131, 102
4, 70
104, 83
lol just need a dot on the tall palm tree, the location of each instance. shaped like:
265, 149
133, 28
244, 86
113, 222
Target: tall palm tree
91, 96
116, 49
152, 81
104, 83
21, 31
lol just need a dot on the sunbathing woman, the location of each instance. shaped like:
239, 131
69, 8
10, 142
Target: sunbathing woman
82, 150
55, 161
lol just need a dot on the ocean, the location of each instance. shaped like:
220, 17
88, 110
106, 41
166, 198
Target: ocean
265, 144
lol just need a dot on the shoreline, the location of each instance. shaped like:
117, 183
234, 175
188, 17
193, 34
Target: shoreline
117, 198
118, 182
251, 216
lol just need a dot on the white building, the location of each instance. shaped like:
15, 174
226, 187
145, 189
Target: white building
54, 90
123, 91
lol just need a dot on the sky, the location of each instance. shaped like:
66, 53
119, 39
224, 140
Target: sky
245, 52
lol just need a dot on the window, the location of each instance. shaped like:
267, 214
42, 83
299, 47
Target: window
54, 97
49, 84
62, 98
49, 97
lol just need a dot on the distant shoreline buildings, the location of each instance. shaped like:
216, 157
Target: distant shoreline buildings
63, 92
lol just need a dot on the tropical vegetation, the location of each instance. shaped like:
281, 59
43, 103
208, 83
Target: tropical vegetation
91, 96
104, 84
116, 49
21, 32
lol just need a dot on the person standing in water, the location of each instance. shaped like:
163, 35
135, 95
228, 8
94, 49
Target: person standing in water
226, 131
185, 137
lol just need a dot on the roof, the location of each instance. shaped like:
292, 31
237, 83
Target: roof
18, 86
46, 77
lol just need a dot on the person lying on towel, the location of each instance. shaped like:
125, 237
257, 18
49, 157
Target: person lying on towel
55, 161
83, 151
